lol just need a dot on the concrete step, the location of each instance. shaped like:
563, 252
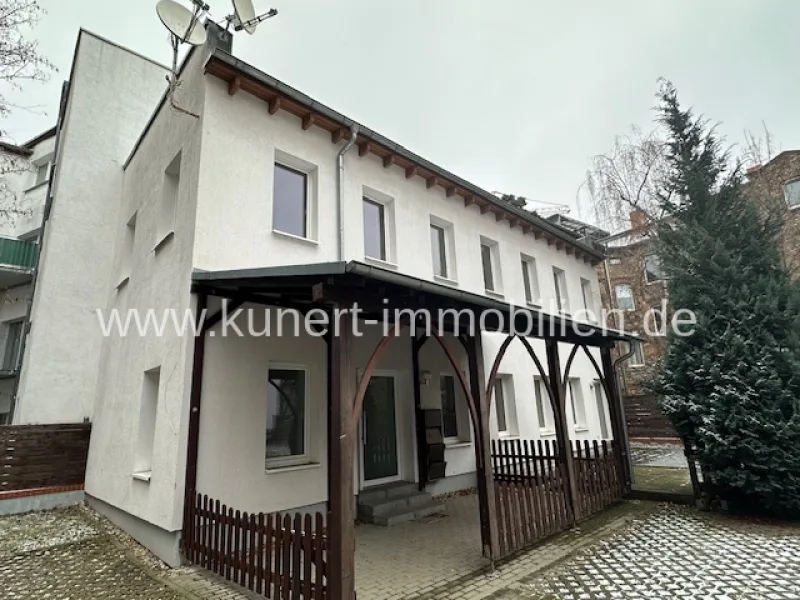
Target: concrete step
409, 514
386, 491
374, 506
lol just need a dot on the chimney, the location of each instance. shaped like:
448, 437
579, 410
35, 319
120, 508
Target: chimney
218, 37
638, 219
753, 170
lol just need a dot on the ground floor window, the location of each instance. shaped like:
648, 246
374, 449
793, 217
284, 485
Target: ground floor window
505, 407
577, 404
544, 407
286, 416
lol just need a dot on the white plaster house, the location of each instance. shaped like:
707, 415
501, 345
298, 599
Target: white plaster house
22, 201
148, 201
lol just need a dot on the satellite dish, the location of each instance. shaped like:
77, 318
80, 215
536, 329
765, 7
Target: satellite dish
181, 22
245, 13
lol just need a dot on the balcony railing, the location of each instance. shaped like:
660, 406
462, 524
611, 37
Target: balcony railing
17, 254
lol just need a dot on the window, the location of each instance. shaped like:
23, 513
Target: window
126, 253
560, 281
614, 261
374, 230
637, 359
544, 409
148, 409
290, 201
602, 413
491, 266
504, 406
13, 342
586, 292
576, 403
791, 191
652, 269
169, 200
447, 386
624, 297
286, 417
656, 321
42, 173
439, 251
530, 280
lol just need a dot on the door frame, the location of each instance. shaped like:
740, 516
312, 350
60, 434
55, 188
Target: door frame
364, 483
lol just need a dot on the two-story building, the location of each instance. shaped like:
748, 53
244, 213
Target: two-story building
265, 200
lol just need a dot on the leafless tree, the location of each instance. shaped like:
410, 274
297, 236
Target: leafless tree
631, 176
20, 63
758, 151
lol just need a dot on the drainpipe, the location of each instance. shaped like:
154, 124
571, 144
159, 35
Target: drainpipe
48, 204
617, 380
340, 185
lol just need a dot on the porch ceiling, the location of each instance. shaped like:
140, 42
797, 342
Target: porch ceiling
323, 285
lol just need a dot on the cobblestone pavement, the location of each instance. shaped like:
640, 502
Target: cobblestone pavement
678, 553
658, 455
65, 554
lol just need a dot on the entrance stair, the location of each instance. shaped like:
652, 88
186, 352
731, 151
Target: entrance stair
395, 503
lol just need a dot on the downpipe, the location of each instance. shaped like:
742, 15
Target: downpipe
340, 185
615, 366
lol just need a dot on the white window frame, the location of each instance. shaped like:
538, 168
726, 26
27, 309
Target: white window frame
168, 208
638, 353
617, 289
494, 262
544, 407
273, 464
310, 170
462, 415
449, 250
577, 403
647, 280
601, 404
528, 266
389, 229
792, 183
588, 298
505, 382
560, 289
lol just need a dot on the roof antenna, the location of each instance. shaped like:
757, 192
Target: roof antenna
184, 28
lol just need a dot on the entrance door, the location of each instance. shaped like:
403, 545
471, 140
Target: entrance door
379, 454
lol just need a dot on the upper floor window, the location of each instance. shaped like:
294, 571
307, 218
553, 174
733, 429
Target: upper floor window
560, 282
374, 229
169, 200
791, 191
126, 252
439, 251
42, 173
637, 359
290, 201
652, 269
530, 279
624, 297
13, 342
586, 293
490, 262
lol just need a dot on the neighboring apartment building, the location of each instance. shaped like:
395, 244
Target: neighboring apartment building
23, 191
148, 202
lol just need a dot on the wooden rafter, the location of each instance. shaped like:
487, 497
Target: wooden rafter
337, 135
234, 85
411, 171
364, 148
451, 191
308, 121
431, 181
389, 160
469, 200
274, 105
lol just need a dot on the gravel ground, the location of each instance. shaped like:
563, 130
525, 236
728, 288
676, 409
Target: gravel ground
74, 554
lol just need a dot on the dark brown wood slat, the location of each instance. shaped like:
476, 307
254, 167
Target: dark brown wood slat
269, 540
229, 544
286, 535
237, 546
297, 547
319, 559
308, 556
259, 549
277, 572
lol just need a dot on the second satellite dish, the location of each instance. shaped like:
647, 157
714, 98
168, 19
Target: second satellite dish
246, 15
181, 22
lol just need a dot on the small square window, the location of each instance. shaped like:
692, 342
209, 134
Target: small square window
624, 297
374, 229
42, 173
286, 417
290, 201
791, 191
652, 269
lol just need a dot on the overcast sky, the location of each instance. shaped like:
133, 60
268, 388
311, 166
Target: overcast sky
514, 95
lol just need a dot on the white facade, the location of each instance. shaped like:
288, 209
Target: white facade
111, 244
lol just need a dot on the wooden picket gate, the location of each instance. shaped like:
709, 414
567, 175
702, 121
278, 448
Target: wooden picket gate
532, 488
279, 556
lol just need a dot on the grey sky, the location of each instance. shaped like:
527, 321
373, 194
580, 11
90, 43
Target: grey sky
513, 95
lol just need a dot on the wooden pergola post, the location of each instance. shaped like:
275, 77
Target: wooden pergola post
616, 414
557, 388
490, 537
341, 524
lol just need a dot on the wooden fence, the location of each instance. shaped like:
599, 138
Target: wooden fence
278, 556
42, 456
532, 491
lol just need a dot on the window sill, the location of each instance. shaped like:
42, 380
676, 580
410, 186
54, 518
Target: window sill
508, 436
456, 444
294, 237
445, 280
494, 294
163, 241
378, 262
531, 304
289, 468
36, 187
581, 428
142, 476
123, 283
636, 366
546, 432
